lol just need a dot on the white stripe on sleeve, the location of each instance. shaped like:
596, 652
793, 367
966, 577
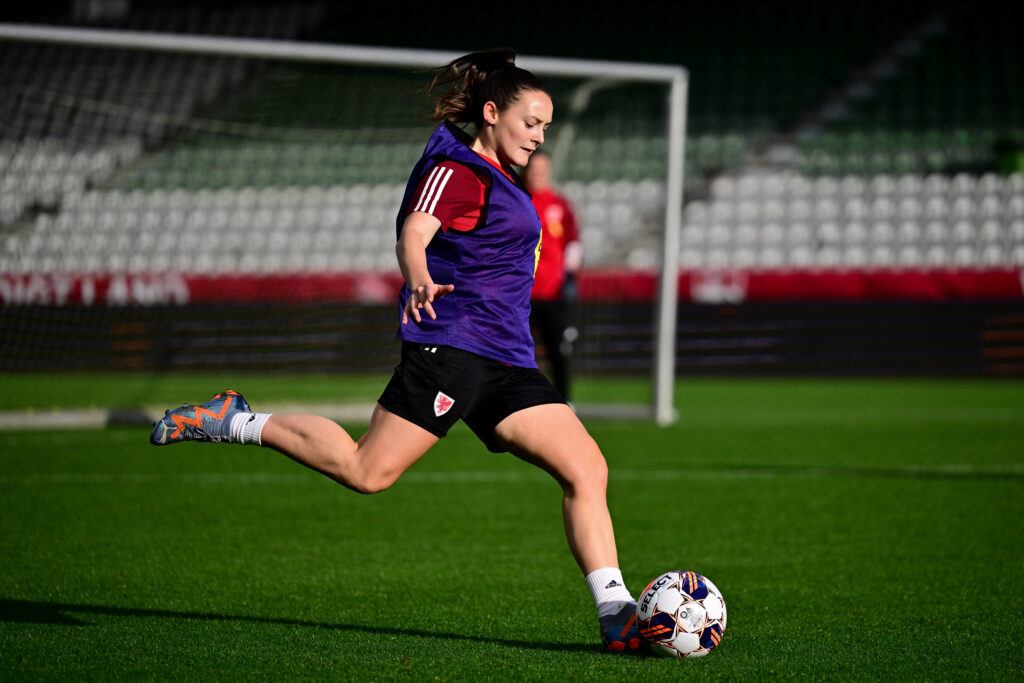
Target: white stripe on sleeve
440, 189
427, 189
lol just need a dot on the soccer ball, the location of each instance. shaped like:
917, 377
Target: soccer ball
681, 614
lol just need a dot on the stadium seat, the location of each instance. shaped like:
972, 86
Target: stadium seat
909, 256
1017, 255
908, 232
990, 233
856, 208
773, 210
854, 233
882, 256
828, 256
800, 210
799, 234
855, 256
745, 236
1015, 206
962, 233
772, 234
882, 233
992, 255
936, 232
883, 208
936, 208
770, 257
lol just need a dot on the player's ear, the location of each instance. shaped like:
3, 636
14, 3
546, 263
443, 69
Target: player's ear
490, 112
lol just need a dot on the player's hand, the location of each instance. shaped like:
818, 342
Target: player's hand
422, 297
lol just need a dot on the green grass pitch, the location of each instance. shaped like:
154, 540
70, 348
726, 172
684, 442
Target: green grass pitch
858, 529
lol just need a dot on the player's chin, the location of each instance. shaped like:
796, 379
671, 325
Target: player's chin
523, 157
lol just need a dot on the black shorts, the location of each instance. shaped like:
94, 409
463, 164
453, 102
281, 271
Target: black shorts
435, 386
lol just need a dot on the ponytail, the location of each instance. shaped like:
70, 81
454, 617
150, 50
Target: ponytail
478, 78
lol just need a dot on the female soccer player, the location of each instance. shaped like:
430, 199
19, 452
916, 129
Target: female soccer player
468, 243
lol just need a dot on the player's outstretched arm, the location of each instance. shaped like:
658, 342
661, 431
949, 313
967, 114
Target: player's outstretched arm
418, 230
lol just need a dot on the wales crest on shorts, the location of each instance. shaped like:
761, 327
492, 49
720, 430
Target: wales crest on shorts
442, 403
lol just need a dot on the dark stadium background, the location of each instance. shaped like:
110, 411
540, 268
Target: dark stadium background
761, 74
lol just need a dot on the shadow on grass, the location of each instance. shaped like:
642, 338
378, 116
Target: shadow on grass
64, 614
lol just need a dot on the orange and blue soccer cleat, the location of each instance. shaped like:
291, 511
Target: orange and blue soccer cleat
210, 422
619, 631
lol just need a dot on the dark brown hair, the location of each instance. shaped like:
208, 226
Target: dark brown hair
478, 78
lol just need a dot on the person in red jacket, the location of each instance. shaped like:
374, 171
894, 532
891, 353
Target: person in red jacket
554, 286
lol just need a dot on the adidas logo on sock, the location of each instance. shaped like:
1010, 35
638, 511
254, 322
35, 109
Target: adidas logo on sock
613, 584
252, 417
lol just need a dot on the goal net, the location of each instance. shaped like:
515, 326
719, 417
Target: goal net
179, 202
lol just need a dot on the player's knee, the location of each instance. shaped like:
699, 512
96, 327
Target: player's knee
368, 483
367, 486
372, 479
589, 474
599, 473
365, 471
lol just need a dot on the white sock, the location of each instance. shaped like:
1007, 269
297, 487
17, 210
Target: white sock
608, 589
246, 428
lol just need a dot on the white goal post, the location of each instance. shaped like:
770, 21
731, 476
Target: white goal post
674, 77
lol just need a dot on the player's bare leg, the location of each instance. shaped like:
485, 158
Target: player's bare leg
389, 447
552, 437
